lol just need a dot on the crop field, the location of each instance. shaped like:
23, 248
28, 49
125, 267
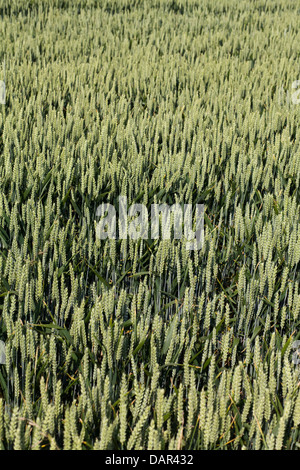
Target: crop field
128, 344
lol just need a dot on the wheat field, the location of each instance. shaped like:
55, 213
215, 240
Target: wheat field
141, 344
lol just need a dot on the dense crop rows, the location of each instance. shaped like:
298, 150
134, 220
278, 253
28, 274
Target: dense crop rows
122, 344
